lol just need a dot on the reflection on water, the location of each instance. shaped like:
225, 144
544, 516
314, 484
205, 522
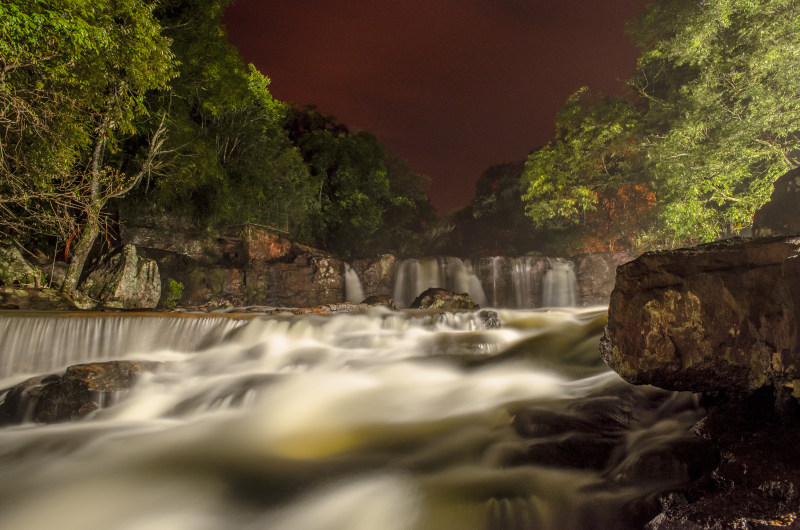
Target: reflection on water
386, 420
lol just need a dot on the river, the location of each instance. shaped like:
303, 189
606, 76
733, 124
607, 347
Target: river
386, 420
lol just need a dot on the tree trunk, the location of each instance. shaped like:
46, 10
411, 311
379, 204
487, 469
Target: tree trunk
81, 250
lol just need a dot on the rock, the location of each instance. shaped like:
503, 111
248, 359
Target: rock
376, 274
125, 281
595, 274
718, 317
781, 214
444, 300
42, 299
15, 270
82, 389
741, 491
380, 300
490, 319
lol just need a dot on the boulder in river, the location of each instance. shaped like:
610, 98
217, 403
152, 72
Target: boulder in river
444, 300
82, 389
718, 317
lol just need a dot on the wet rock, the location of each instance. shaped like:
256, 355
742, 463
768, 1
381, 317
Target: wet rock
595, 274
444, 300
376, 274
125, 281
718, 317
490, 319
380, 300
82, 389
781, 214
756, 483
15, 270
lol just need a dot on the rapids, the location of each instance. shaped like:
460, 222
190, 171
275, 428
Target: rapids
384, 420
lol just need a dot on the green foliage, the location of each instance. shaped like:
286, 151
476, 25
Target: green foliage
73, 82
720, 78
715, 123
173, 295
593, 151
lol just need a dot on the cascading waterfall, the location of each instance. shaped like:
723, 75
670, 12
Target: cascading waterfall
382, 420
413, 276
353, 292
560, 286
37, 343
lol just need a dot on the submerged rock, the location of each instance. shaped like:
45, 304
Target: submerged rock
444, 300
125, 281
718, 317
82, 389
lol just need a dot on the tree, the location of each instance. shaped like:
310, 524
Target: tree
595, 153
718, 80
73, 86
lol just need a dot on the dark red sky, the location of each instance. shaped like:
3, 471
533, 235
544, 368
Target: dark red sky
453, 86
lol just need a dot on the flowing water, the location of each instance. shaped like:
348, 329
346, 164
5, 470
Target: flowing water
353, 292
376, 421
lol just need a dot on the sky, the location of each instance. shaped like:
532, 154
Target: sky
452, 86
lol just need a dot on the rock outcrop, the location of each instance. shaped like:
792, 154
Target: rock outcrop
376, 274
82, 389
444, 300
718, 317
595, 274
15, 270
781, 215
125, 280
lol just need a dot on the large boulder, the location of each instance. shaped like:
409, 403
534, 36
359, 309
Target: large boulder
82, 389
596, 273
718, 317
444, 300
376, 274
15, 269
781, 215
125, 280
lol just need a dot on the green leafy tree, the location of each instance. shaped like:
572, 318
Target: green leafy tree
594, 151
74, 120
719, 80
231, 161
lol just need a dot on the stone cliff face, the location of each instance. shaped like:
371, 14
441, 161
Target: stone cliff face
722, 316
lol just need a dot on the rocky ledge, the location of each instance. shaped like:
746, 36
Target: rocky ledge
721, 319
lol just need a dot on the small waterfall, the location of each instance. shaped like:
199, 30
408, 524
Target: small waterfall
353, 292
414, 276
560, 286
40, 344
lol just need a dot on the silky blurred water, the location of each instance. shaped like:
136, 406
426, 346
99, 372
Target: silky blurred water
384, 420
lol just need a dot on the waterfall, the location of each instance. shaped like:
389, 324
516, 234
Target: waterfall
43, 343
353, 292
413, 276
381, 420
560, 286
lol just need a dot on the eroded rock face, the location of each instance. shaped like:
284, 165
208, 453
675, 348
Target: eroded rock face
82, 389
376, 274
444, 300
125, 281
721, 316
595, 274
781, 215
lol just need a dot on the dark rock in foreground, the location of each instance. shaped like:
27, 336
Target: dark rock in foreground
757, 481
781, 214
444, 300
721, 316
82, 389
